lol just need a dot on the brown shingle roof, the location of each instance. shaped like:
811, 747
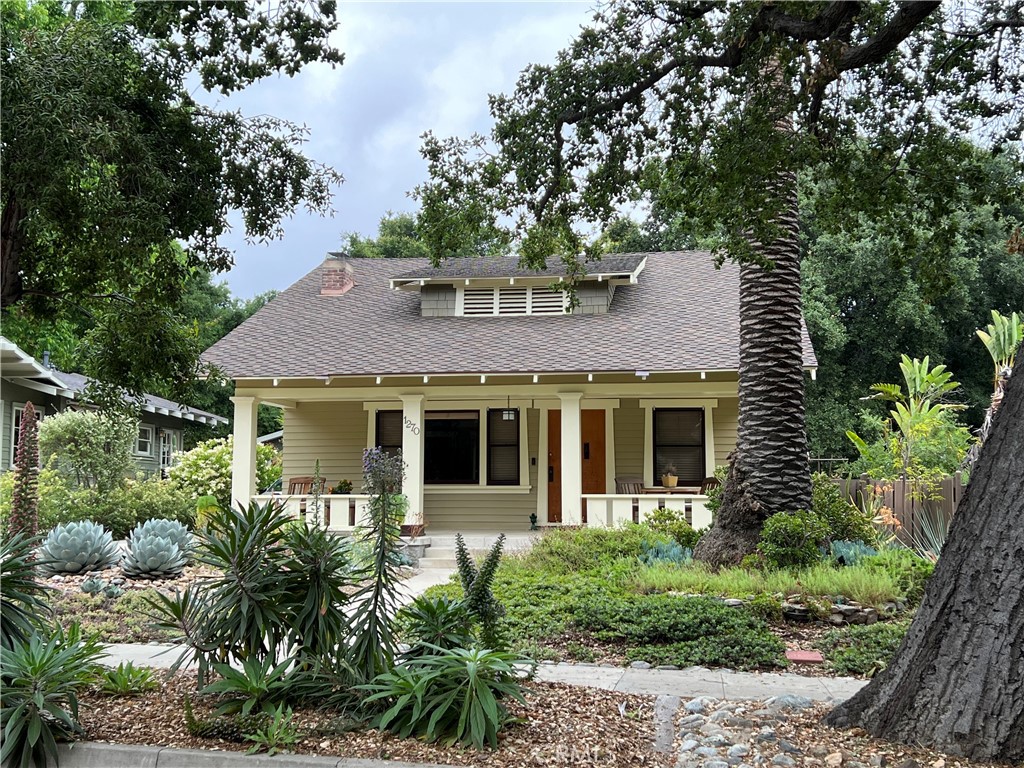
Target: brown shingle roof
508, 266
682, 315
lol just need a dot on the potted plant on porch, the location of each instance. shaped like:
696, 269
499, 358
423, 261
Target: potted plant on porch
669, 479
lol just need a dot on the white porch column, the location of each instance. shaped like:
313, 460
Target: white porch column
243, 460
572, 462
412, 453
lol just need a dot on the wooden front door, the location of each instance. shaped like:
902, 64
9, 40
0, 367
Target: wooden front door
592, 454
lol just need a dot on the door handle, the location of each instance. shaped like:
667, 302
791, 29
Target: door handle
586, 450
551, 474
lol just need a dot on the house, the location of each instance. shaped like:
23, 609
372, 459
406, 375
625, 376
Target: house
503, 401
24, 379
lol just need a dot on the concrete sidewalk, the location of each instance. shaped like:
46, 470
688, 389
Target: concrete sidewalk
694, 681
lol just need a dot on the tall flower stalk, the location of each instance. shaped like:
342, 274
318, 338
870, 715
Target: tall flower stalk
25, 497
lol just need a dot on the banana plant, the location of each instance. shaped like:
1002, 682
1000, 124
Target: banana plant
1002, 338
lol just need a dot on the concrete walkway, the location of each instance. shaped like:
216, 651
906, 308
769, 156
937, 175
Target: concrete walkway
694, 681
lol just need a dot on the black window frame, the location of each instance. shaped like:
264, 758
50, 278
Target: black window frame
702, 445
428, 456
491, 444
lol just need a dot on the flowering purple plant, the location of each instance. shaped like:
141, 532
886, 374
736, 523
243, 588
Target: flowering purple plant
382, 472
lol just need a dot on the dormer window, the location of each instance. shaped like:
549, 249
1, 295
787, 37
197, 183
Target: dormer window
511, 300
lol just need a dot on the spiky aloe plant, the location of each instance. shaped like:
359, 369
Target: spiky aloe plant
77, 548
152, 557
25, 496
23, 603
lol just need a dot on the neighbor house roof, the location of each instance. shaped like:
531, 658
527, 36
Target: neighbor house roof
682, 315
78, 383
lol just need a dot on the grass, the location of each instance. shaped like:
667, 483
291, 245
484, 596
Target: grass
863, 584
119, 620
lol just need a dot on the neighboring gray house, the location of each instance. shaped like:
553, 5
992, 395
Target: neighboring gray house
24, 379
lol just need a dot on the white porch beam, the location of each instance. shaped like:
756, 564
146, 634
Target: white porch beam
572, 462
243, 460
412, 453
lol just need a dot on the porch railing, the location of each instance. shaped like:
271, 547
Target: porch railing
341, 512
608, 510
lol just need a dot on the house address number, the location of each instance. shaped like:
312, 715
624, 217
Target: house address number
412, 426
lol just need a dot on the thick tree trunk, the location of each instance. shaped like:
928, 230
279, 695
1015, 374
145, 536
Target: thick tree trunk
957, 682
10, 252
769, 471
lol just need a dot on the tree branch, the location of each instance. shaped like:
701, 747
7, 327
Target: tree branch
889, 37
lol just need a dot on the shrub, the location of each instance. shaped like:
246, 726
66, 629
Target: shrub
77, 548
22, 598
93, 448
673, 523
454, 696
862, 650
206, 469
259, 685
766, 607
205, 506
435, 622
846, 521
582, 549
40, 680
908, 571
850, 552
127, 680
25, 494
792, 539
692, 630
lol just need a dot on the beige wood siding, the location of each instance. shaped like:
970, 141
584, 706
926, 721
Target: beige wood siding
629, 438
334, 432
726, 415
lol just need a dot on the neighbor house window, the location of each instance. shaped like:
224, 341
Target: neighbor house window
389, 431
679, 442
503, 446
170, 444
15, 430
451, 448
144, 444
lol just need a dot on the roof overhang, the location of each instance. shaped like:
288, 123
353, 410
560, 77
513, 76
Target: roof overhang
16, 363
615, 277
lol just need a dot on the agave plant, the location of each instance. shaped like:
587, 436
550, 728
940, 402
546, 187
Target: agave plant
152, 557
93, 585
166, 529
78, 548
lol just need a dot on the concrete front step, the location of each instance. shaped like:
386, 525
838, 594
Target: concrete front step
438, 562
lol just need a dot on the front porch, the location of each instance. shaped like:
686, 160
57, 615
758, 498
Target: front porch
486, 453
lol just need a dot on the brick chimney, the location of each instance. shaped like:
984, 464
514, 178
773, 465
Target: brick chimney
336, 275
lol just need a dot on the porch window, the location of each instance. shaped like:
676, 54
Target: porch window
389, 431
451, 448
503, 446
679, 442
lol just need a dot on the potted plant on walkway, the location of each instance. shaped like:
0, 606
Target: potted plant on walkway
669, 479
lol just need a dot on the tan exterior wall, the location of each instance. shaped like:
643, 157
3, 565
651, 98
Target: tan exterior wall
334, 432
629, 439
726, 417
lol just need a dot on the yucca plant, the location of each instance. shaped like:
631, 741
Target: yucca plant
152, 557
22, 597
40, 680
78, 547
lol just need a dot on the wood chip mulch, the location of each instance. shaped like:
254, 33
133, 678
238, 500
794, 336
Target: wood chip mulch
563, 725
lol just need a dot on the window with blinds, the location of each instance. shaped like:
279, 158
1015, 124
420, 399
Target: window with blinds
389, 431
512, 300
503, 446
679, 442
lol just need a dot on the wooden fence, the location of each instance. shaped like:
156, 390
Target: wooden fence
912, 504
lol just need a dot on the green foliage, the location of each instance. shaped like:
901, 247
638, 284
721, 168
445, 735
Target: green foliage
453, 697
112, 591
127, 680
714, 502
862, 650
126, 619
792, 539
850, 552
476, 587
845, 521
398, 237
277, 733
430, 623
907, 570
151, 556
41, 678
688, 631
583, 549
258, 686
666, 553
374, 645
23, 603
24, 516
766, 607
205, 506
134, 165
93, 585
673, 523
77, 548
1002, 338
93, 449
206, 469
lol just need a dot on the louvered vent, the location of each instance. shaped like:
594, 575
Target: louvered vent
512, 301
478, 301
547, 302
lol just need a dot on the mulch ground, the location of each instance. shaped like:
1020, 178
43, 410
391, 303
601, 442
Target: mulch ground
563, 725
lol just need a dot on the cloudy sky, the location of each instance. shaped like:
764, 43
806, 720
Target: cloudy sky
410, 67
